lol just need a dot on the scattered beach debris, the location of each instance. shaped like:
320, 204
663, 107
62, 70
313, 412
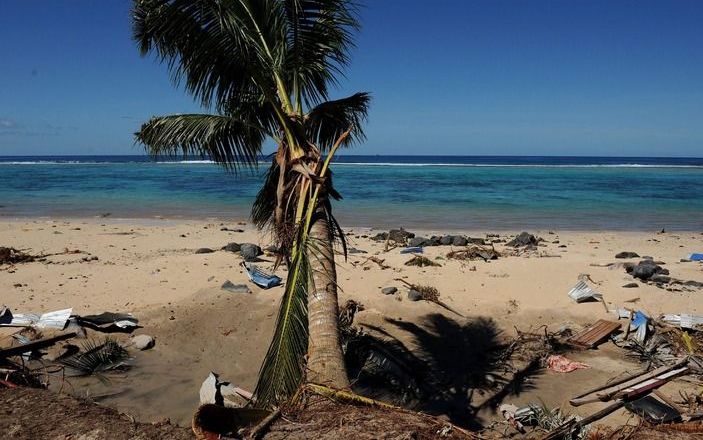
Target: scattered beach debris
421, 261
96, 358
475, 252
261, 278
34, 345
653, 411
632, 386
581, 292
109, 322
235, 288
379, 261
561, 364
684, 320
9, 255
411, 250
222, 393
627, 254
55, 320
428, 293
143, 342
594, 334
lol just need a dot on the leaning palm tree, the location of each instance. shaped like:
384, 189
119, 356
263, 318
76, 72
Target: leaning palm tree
262, 69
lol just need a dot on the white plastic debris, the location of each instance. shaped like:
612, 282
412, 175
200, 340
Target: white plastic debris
56, 319
581, 293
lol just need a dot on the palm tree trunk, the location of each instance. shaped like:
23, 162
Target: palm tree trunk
325, 359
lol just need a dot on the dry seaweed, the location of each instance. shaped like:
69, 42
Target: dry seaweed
475, 253
421, 261
430, 294
9, 255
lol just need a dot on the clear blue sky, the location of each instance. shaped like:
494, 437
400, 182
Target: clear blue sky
561, 77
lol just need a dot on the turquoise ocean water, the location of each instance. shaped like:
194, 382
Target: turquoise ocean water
486, 193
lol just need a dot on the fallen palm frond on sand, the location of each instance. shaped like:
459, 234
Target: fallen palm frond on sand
97, 358
428, 293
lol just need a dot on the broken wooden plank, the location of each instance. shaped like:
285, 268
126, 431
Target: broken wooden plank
35, 345
649, 384
607, 393
564, 430
576, 401
594, 334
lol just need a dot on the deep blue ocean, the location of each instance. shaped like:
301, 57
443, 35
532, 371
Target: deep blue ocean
430, 192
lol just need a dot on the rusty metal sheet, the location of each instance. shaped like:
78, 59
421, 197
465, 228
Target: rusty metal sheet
594, 334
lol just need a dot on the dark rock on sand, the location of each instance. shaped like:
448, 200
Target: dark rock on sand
414, 295
645, 269
204, 251
400, 236
631, 285
381, 236
235, 288
626, 254
389, 290
692, 283
250, 251
479, 241
524, 239
459, 241
232, 247
446, 240
419, 241
354, 250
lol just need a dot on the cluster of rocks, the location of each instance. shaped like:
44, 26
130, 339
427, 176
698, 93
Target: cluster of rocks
651, 271
248, 251
406, 238
648, 270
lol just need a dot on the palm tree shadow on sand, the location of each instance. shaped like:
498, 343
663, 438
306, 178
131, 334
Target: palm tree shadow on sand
452, 368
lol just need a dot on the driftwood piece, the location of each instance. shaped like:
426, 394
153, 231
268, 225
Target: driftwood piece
35, 345
594, 334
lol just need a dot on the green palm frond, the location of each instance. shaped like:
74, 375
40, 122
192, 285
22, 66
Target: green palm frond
282, 370
319, 38
325, 123
196, 41
221, 138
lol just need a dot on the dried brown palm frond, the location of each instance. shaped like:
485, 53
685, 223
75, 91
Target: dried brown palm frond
421, 261
430, 294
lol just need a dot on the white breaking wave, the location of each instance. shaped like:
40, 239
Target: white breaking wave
368, 164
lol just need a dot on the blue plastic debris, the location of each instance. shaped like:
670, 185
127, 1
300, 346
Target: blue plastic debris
411, 250
696, 257
261, 278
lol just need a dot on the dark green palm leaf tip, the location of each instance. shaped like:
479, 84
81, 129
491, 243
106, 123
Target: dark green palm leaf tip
282, 370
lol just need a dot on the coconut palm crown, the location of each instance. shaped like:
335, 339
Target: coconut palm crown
263, 69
